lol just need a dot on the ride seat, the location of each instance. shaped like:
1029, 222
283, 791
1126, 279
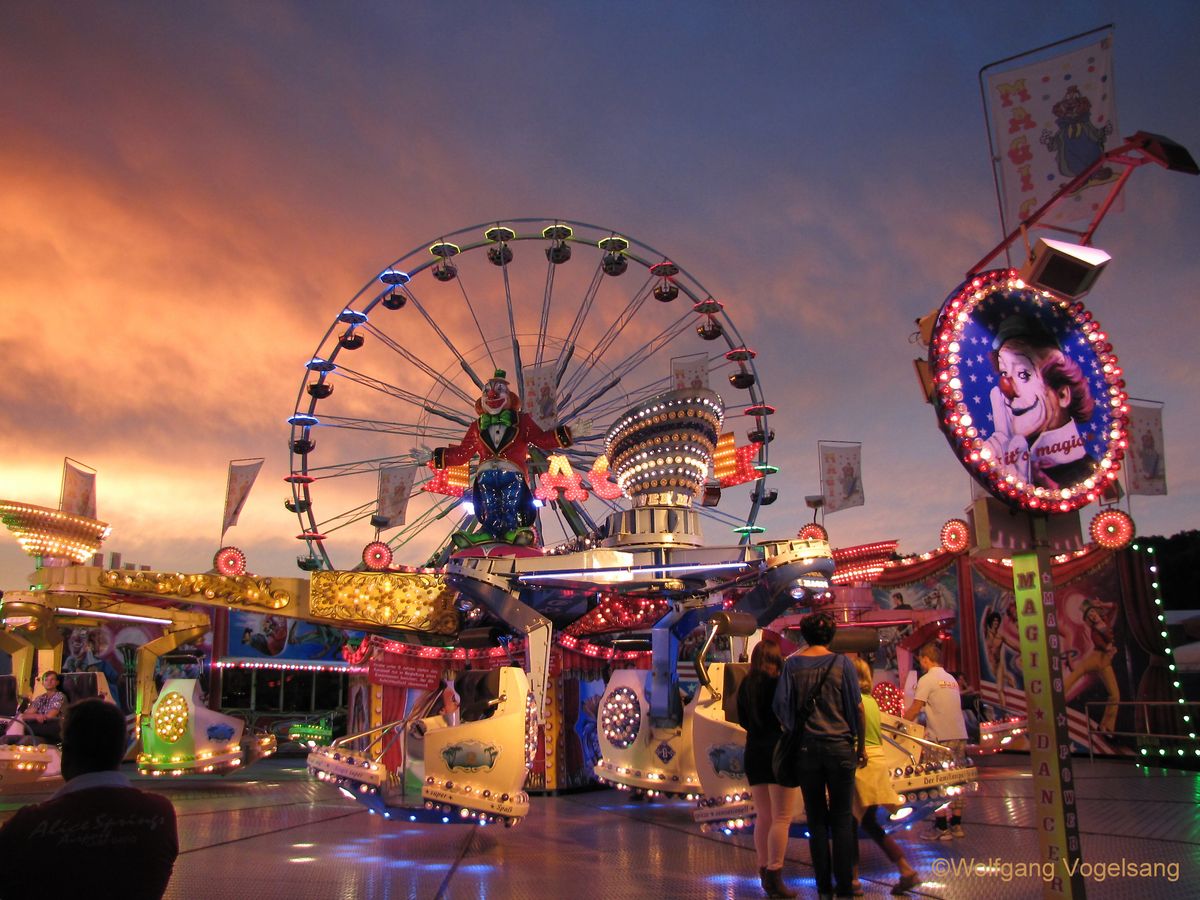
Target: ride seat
735, 674
80, 686
476, 692
8, 695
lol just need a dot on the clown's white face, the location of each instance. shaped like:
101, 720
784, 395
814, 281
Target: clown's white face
1035, 406
495, 396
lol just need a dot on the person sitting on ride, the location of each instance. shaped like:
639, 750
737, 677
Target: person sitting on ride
41, 717
501, 437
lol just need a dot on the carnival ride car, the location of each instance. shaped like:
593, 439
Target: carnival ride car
27, 758
434, 766
924, 773
1008, 732
311, 734
164, 725
182, 736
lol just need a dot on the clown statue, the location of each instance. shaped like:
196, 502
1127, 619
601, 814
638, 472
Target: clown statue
501, 438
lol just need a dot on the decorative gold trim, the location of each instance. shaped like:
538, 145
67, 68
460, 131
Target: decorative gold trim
232, 590
414, 600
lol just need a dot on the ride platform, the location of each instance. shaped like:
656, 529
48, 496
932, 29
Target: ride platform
273, 832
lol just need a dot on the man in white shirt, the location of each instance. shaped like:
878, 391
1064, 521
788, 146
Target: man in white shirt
938, 697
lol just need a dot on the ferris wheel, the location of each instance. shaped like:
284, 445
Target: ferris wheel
583, 321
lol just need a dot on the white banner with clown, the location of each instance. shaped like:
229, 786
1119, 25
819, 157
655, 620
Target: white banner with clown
1146, 463
395, 486
78, 490
690, 372
1050, 121
841, 475
541, 395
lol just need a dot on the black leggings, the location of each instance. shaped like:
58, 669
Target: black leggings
870, 824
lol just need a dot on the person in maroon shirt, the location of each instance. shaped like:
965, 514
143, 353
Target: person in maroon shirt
97, 833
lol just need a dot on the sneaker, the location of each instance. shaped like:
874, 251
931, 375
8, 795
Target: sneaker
957, 831
937, 834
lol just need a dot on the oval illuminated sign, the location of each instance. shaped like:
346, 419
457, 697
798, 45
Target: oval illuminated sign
1029, 393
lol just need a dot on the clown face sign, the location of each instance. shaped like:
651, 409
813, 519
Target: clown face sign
1029, 393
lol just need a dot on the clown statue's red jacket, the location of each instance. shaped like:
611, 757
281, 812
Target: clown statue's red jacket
506, 435
501, 432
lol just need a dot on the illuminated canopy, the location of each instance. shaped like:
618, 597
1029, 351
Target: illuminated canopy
52, 533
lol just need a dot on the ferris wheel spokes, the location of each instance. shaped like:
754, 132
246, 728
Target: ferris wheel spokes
426, 346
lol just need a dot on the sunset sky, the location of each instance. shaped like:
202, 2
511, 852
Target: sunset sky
190, 194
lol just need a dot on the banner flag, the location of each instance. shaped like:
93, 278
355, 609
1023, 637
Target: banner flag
1146, 463
395, 485
541, 395
689, 371
242, 473
841, 475
78, 489
1049, 121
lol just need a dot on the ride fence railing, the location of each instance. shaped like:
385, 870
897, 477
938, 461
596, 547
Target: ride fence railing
1163, 729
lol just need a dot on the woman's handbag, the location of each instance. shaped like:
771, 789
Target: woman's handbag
785, 761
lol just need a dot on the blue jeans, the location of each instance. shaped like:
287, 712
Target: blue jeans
829, 766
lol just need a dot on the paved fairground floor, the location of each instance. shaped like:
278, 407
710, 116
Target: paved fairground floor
272, 831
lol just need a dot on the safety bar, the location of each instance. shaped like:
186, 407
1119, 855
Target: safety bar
901, 748
924, 743
735, 623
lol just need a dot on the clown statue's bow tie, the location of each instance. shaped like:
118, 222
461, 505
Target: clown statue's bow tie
505, 417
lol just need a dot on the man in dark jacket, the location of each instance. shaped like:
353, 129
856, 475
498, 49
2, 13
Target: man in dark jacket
120, 840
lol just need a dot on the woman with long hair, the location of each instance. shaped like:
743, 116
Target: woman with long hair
873, 786
774, 804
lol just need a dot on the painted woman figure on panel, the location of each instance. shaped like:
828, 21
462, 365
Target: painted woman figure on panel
1000, 642
1098, 618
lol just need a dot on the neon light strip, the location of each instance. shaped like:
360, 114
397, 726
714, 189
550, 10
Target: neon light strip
292, 666
535, 576
124, 617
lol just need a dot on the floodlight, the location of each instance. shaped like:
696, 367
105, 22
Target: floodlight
1069, 270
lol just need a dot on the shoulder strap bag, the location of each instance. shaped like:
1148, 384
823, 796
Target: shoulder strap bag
785, 761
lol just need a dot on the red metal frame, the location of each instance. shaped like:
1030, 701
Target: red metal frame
1119, 156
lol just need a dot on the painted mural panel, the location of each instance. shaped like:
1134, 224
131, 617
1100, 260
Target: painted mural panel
111, 650
893, 663
268, 636
1102, 665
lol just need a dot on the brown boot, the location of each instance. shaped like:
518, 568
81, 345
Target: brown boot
764, 880
775, 884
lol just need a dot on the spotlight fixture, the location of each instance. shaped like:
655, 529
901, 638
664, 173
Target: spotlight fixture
1166, 152
1069, 270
